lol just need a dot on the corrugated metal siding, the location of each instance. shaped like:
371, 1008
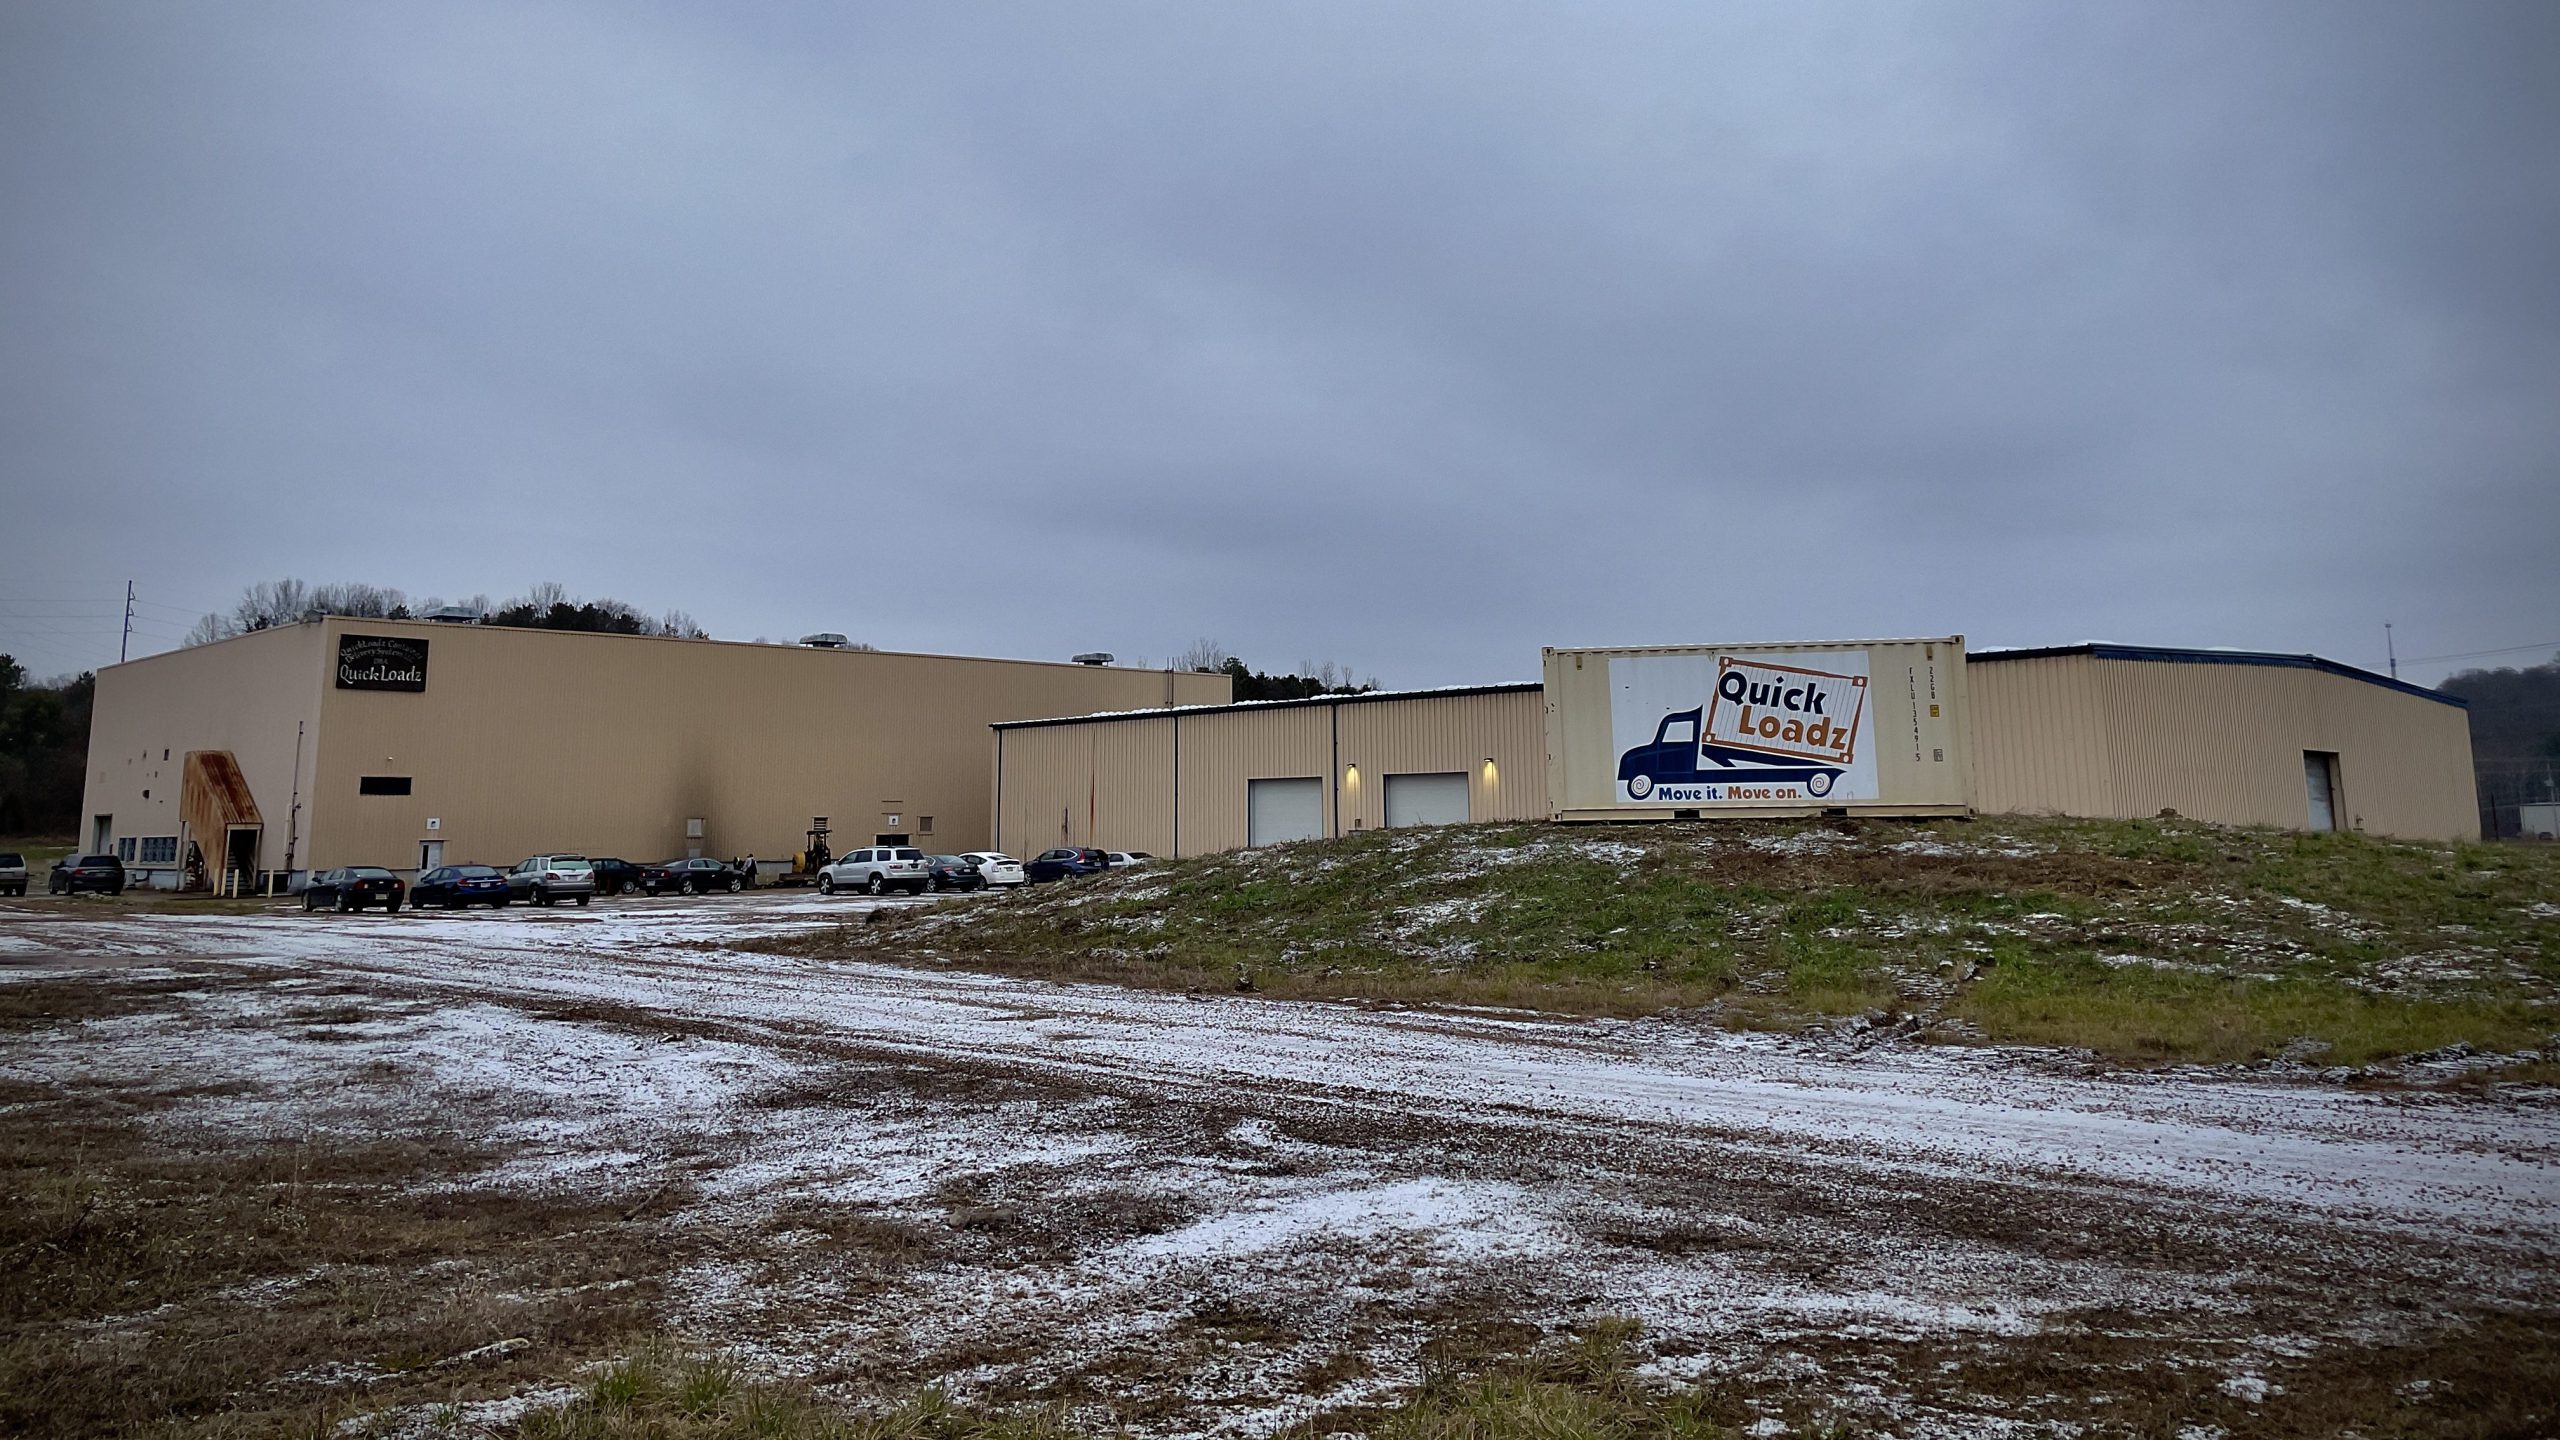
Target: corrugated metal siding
1107, 785
1121, 767
527, 741
2225, 743
245, 696
1221, 752
1430, 735
2039, 738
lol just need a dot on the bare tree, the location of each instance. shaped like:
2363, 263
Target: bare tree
681, 626
1206, 656
208, 630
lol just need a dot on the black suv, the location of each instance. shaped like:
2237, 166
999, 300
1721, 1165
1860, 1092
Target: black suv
75, 873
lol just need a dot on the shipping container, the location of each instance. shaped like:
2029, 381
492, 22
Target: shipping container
1681, 732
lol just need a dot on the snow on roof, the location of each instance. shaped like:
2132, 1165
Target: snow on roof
1363, 697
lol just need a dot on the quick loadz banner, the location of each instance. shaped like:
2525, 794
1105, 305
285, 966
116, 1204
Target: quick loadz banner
1703, 728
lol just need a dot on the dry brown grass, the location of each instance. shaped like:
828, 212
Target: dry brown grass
160, 1286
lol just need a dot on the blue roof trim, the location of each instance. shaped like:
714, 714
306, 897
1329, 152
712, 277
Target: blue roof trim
2223, 657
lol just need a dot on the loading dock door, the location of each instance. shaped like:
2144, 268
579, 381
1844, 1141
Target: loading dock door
1278, 810
1427, 799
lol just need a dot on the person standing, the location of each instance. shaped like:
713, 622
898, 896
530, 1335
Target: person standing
749, 867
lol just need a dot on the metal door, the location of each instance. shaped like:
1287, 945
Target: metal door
2320, 779
1278, 810
1427, 799
430, 855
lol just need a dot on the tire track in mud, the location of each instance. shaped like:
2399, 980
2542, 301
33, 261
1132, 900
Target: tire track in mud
1546, 1172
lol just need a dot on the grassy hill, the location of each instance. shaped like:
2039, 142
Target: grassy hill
2143, 941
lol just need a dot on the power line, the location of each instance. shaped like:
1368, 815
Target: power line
2553, 645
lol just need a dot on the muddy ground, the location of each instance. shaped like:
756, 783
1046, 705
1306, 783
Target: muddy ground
1229, 1214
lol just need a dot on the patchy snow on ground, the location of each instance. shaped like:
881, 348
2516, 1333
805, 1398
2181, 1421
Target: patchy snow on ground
1096, 1179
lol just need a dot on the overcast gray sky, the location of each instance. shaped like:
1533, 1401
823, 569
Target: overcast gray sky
1412, 336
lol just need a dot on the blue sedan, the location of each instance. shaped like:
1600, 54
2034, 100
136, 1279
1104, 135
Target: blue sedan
454, 886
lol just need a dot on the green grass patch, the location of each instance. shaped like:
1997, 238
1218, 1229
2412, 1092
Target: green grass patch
2142, 1013
2372, 947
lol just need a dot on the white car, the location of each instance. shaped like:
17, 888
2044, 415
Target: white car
877, 870
998, 868
1123, 859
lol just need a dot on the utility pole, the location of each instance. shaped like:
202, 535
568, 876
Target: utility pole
2387, 650
125, 646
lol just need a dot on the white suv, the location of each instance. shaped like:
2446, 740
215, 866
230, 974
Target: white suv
876, 871
545, 878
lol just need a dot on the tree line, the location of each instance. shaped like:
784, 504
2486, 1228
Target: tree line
2515, 739
44, 747
1207, 657
547, 606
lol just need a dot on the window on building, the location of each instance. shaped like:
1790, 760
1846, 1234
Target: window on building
924, 824
124, 849
159, 849
382, 785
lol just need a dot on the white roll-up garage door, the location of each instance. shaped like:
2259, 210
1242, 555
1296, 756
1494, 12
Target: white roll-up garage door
1427, 799
1277, 810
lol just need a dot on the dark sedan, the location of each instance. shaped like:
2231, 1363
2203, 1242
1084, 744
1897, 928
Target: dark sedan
353, 887
951, 872
616, 877
1065, 864
691, 877
454, 886
75, 873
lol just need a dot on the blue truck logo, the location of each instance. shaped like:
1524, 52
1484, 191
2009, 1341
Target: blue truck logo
1680, 766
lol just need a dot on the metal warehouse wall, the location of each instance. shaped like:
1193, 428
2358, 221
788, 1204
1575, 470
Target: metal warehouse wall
245, 695
527, 740
2040, 738
2217, 741
1430, 733
531, 740
1113, 782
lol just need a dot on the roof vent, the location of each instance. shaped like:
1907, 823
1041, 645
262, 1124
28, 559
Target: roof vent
452, 615
1094, 657
825, 640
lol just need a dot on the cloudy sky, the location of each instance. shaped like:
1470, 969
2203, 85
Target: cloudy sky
1409, 336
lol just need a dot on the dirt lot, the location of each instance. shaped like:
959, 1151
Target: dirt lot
420, 1172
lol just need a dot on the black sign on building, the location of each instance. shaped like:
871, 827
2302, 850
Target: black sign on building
381, 662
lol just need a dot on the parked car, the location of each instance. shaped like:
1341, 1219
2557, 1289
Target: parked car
13, 873
997, 867
1065, 863
352, 887
877, 870
690, 877
1123, 859
952, 872
544, 879
454, 886
616, 877
74, 873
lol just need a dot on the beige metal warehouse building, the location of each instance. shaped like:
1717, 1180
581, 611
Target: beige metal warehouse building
2110, 731
1191, 781
2240, 738
381, 742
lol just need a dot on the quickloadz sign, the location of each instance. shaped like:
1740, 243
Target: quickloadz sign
382, 662
1670, 732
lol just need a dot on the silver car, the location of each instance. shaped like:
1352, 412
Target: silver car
877, 870
542, 879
